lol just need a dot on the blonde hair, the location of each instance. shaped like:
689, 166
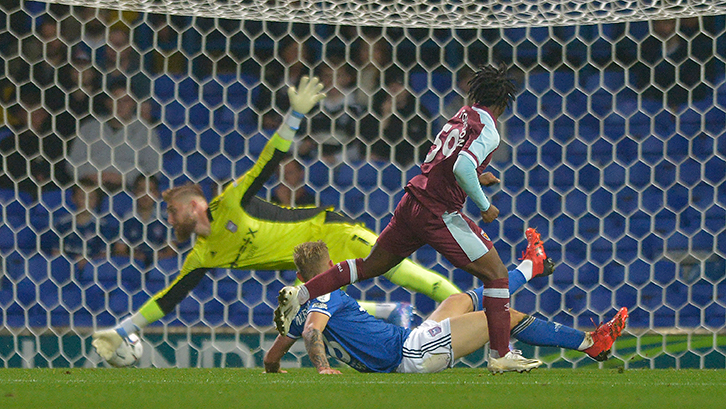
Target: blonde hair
184, 192
311, 258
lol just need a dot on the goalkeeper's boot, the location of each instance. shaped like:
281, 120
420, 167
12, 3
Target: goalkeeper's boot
106, 342
541, 264
605, 335
287, 308
512, 361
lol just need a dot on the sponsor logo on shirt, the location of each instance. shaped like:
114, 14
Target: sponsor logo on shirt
320, 306
231, 226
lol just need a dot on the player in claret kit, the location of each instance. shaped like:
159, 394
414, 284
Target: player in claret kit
335, 325
238, 230
431, 213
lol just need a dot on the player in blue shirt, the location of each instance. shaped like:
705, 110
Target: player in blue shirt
335, 325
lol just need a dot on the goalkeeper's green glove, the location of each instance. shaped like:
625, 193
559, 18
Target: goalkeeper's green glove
106, 342
302, 100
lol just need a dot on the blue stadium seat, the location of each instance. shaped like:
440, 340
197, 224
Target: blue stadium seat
174, 115
199, 118
426, 256
188, 90
184, 140
121, 203
220, 168
212, 93
318, 174
189, 311
196, 166
440, 82
238, 314
173, 163
344, 175
163, 88
353, 202
430, 96
169, 266
690, 123
155, 281
256, 143
55, 199
330, 196
223, 120
228, 290
525, 106
367, 176
378, 203
210, 142
233, 144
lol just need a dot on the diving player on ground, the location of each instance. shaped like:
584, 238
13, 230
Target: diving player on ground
335, 325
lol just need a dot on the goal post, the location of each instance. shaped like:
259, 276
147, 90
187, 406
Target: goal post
615, 150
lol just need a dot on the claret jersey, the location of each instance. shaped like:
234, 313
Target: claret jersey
472, 132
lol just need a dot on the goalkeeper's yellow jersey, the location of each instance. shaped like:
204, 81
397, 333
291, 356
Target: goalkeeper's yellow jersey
250, 233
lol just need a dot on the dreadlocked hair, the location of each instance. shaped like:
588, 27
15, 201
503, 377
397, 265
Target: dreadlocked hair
492, 87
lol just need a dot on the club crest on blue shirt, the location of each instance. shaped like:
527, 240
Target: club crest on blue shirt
231, 226
435, 331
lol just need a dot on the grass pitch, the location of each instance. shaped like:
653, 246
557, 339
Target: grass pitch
304, 388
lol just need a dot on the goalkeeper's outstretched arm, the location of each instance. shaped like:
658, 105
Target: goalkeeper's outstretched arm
106, 341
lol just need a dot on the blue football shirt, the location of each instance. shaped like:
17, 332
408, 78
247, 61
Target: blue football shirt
353, 336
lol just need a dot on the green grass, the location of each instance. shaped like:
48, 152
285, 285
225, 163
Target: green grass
456, 388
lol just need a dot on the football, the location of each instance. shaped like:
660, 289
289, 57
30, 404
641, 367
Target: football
128, 353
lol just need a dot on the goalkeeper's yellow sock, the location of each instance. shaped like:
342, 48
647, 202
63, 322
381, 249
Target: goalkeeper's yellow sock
421, 280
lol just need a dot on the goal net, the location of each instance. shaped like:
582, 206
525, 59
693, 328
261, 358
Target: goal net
615, 150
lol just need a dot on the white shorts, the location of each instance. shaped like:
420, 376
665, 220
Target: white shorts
428, 348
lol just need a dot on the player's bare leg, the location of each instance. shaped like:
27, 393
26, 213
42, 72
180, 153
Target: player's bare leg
469, 331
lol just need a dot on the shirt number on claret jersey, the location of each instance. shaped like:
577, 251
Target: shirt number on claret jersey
446, 141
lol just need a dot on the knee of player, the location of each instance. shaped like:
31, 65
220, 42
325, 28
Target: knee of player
462, 301
516, 317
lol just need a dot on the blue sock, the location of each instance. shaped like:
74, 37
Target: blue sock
535, 331
516, 280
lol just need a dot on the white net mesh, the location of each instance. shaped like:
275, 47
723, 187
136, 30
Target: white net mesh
430, 14
615, 150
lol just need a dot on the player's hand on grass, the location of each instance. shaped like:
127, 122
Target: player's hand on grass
106, 342
488, 179
329, 371
306, 95
490, 214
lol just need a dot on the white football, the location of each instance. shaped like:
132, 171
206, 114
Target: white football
128, 353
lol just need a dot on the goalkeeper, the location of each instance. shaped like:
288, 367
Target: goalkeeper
239, 230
